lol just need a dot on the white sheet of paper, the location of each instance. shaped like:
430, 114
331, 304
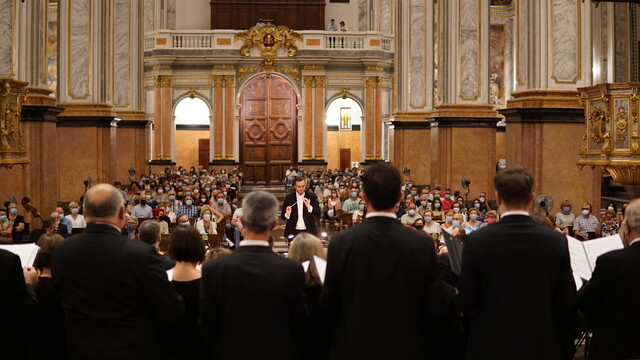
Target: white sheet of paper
321, 266
577, 280
305, 266
579, 261
596, 247
170, 274
26, 252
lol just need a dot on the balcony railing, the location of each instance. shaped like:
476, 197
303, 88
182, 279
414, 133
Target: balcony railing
223, 40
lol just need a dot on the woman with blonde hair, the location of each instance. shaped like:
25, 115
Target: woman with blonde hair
207, 224
77, 220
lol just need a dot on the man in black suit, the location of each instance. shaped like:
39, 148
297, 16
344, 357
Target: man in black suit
516, 286
150, 234
114, 290
18, 307
251, 304
377, 280
300, 208
612, 295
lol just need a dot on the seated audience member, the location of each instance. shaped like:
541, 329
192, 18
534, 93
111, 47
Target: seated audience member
472, 224
359, 214
492, 218
484, 202
350, 205
161, 196
584, 226
64, 220
458, 208
131, 227
188, 208
187, 249
216, 253
162, 219
207, 224
150, 234
5, 228
18, 307
48, 227
541, 219
400, 211
436, 208
60, 228
431, 227
608, 224
183, 220
77, 220
16, 221
332, 206
150, 201
411, 216
237, 226
564, 218
50, 341
424, 204
448, 200
610, 297
255, 281
141, 210
612, 206
448, 221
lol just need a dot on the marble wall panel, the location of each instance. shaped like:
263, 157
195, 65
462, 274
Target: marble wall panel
171, 14
7, 12
469, 61
122, 55
363, 6
149, 15
523, 40
621, 45
604, 29
80, 49
565, 41
417, 50
386, 13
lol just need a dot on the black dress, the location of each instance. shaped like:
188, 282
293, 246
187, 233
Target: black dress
50, 341
186, 340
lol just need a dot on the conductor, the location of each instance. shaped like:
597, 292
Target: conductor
299, 209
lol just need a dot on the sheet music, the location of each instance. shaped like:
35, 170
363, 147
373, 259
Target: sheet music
579, 261
321, 266
597, 247
26, 252
454, 248
305, 266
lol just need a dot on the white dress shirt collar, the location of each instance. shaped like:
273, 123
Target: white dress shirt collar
634, 241
254, 243
381, 214
515, 212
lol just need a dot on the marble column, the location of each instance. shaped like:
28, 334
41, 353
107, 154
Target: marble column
318, 118
163, 128
544, 117
369, 118
307, 118
229, 108
217, 132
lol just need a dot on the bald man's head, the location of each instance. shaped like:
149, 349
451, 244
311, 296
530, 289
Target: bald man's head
102, 201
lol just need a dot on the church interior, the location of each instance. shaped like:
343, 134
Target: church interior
103, 91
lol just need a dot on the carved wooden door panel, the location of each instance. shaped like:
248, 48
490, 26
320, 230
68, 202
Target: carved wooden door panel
267, 130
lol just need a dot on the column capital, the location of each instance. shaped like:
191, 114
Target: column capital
229, 80
161, 80
218, 80
307, 81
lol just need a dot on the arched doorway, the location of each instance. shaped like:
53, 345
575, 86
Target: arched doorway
192, 117
344, 133
267, 129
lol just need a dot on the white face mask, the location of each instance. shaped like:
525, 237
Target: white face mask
585, 212
412, 212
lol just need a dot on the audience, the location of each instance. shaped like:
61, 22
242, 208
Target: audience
16, 221
584, 226
206, 224
150, 234
77, 220
5, 228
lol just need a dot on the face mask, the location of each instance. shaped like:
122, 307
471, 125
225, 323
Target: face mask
449, 219
473, 216
160, 191
330, 187
207, 189
220, 201
481, 199
224, 193
610, 208
203, 199
413, 192
491, 220
412, 212
172, 197
585, 212
140, 183
3, 218
361, 206
456, 209
13, 211
213, 187
477, 206
228, 186
186, 223
61, 216
416, 198
566, 208
207, 217
189, 202
436, 205
427, 219
447, 196
143, 202
188, 193
131, 227
74, 211
148, 197
354, 194
419, 227
423, 203
456, 223
436, 195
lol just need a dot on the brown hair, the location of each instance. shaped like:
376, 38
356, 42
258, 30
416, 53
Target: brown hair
514, 186
186, 245
47, 243
303, 248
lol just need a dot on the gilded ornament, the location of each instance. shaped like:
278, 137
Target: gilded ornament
243, 72
293, 72
268, 39
313, 67
12, 150
370, 81
229, 80
224, 67
374, 68
307, 81
217, 80
192, 93
161, 67
598, 126
621, 123
319, 81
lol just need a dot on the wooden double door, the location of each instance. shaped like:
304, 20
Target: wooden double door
267, 130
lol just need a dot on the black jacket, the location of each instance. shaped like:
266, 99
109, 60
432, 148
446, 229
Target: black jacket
308, 217
115, 294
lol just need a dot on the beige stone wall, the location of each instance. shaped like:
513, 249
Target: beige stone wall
187, 146
337, 140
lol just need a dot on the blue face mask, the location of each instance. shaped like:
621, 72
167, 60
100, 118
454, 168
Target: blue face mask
423, 203
477, 206
207, 217
361, 206
354, 194
449, 218
436, 205
74, 210
413, 192
131, 227
427, 219
172, 197
167, 188
220, 201
207, 189
13, 211
447, 196
3, 218
473, 216
188, 193
566, 208
189, 202
330, 187
186, 223
456, 223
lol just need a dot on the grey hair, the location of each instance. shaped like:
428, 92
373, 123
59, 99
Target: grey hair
134, 218
149, 231
632, 215
108, 202
260, 211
